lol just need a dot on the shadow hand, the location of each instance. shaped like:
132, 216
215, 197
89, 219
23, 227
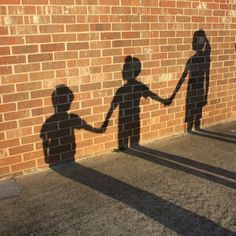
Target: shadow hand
99, 130
167, 102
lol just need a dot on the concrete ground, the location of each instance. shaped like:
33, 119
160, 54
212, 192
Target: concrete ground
184, 185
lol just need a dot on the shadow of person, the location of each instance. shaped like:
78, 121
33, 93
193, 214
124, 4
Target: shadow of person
198, 69
191, 167
58, 131
127, 98
58, 138
212, 135
178, 219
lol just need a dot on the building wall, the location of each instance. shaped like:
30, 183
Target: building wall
83, 44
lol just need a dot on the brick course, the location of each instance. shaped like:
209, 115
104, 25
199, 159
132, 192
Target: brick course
83, 44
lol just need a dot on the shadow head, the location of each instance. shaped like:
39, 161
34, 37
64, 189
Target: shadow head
131, 68
62, 98
199, 40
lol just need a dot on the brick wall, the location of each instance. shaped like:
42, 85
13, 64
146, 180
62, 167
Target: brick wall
83, 45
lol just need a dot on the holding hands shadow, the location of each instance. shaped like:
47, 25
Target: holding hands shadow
58, 131
127, 98
198, 69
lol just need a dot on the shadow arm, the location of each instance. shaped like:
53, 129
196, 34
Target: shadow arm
90, 128
45, 143
155, 97
208, 62
109, 114
181, 81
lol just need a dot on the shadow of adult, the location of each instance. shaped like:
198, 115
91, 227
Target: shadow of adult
127, 98
198, 69
58, 131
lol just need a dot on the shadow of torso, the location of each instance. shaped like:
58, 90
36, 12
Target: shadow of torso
128, 98
198, 65
59, 133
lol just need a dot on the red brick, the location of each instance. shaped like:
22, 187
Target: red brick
31, 122
53, 65
38, 38
3, 10
111, 2
8, 2
167, 3
100, 27
27, 67
23, 166
42, 75
7, 107
28, 86
65, 55
182, 4
9, 143
18, 133
21, 149
36, 2
10, 40
30, 139
63, 19
121, 43
3, 30
89, 87
7, 89
89, 54
53, 47
77, 46
13, 79
12, 60
29, 104
4, 51
4, 70
8, 125
51, 29
77, 28
64, 38
130, 2
25, 49
22, 30
15, 97
42, 111
122, 26
32, 155
40, 57
16, 115
62, 2
10, 160
4, 170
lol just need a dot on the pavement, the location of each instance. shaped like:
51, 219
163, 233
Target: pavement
183, 185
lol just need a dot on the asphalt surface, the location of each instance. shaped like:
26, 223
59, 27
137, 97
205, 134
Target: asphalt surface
184, 185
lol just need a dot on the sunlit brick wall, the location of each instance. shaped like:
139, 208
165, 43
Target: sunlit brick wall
82, 44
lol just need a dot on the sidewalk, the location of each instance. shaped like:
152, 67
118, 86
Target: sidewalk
184, 185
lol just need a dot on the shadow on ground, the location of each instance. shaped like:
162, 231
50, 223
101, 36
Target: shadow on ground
176, 218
